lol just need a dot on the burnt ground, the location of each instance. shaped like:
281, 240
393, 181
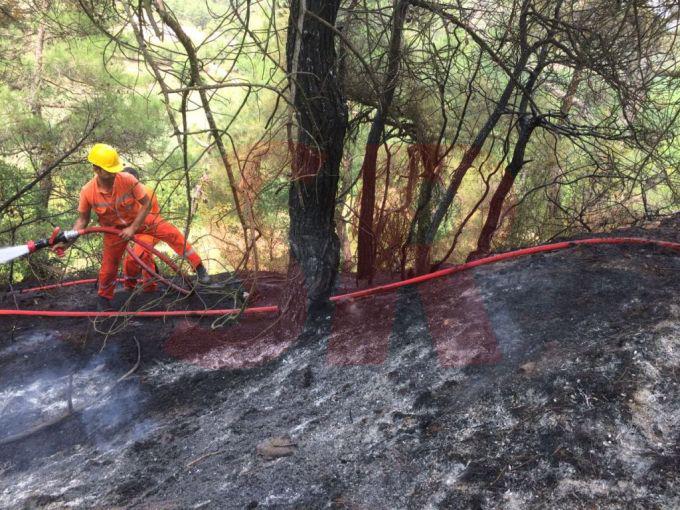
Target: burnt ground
549, 381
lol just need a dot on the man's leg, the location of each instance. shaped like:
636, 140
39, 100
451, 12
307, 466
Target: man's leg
149, 283
131, 272
114, 247
131, 268
169, 234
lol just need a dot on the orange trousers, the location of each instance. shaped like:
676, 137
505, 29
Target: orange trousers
131, 268
114, 247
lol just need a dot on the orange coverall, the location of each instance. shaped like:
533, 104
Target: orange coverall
119, 209
131, 268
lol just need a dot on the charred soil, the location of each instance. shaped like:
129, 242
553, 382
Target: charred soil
547, 381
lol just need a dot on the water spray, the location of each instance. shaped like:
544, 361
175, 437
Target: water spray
60, 237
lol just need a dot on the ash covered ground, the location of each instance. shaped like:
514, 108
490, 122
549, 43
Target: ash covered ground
545, 382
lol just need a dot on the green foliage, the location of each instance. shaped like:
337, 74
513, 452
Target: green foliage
46, 109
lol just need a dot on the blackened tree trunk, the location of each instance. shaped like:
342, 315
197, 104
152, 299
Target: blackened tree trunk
321, 119
503, 190
431, 161
473, 151
433, 222
366, 238
526, 124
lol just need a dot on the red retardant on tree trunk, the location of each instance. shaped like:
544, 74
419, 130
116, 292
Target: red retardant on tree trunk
495, 209
366, 239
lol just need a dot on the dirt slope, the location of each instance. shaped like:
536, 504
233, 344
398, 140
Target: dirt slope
550, 381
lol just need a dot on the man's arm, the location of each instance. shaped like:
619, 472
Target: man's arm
82, 221
129, 232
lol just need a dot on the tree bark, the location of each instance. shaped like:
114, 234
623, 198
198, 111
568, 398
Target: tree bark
501, 193
366, 239
526, 123
46, 155
321, 119
430, 158
341, 221
473, 151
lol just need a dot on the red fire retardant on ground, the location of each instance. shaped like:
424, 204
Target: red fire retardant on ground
360, 332
459, 325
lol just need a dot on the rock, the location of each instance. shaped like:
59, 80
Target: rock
528, 368
275, 447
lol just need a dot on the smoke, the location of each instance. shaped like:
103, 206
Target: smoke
13, 252
33, 382
38, 372
26, 405
111, 405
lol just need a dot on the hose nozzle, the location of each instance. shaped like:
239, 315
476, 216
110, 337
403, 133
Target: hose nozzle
57, 237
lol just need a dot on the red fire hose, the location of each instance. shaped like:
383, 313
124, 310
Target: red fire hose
147, 247
340, 298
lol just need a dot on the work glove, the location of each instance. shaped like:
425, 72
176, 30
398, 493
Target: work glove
59, 248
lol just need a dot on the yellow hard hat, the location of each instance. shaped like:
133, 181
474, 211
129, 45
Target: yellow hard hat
105, 157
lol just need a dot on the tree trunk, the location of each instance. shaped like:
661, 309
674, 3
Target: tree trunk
196, 80
36, 79
412, 152
465, 164
430, 157
341, 221
46, 155
495, 209
526, 125
503, 190
473, 151
321, 116
366, 238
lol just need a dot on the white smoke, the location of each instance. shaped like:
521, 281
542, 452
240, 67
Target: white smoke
28, 397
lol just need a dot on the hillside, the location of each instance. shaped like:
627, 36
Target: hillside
547, 381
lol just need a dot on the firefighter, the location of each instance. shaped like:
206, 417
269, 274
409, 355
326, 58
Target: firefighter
131, 268
121, 201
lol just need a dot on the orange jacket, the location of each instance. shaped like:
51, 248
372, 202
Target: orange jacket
120, 207
155, 208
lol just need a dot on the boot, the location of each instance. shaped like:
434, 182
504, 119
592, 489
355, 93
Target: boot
203, 276
104, 304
